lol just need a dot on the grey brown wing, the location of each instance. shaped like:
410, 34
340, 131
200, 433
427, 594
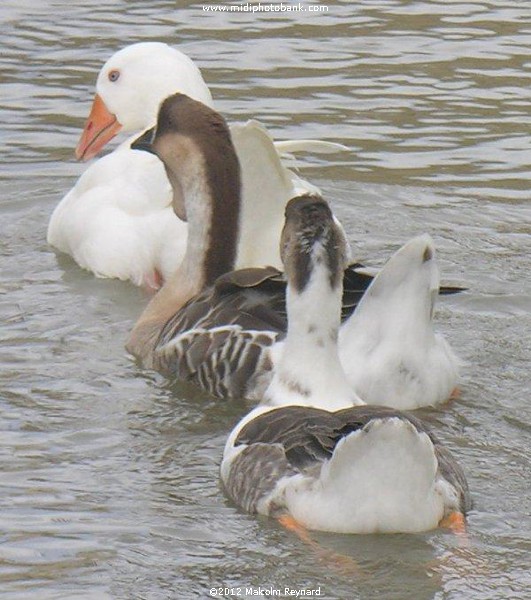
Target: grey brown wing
225, 361
220, 340
283, 442
254, 474
250, 298
451, 470
310, 435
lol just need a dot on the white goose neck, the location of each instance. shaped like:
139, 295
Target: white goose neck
197, 197
308, 371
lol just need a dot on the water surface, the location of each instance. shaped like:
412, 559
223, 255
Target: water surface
109, 475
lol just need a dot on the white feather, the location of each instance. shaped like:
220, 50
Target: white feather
380, 479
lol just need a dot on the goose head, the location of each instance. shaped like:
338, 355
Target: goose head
313, 244
130, 87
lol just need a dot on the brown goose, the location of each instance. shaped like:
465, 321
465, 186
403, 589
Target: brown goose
222, 329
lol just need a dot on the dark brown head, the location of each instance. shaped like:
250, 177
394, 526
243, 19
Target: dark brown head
312, 237
181, 114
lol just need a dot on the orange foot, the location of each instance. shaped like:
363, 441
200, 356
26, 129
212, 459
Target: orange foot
300, 531
339, 562
455, 521
456, 393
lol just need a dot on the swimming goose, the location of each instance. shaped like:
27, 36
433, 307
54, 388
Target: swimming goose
117, 221
311, 452
223, 329
391, 332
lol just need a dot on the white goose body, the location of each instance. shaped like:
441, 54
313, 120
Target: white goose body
118, 221
388, 347
388, 475
312, 450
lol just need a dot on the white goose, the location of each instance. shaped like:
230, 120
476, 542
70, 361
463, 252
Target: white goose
117, 221
312, 452
223, 330
391, 333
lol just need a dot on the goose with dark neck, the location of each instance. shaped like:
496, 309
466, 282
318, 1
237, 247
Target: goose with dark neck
205, 177
224, 334
214, 335
311, 451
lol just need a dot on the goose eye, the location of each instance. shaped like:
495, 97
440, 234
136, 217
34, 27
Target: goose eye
114, 74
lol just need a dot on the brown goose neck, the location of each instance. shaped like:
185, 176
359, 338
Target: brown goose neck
223, 182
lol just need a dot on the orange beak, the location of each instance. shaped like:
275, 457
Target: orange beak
100, 128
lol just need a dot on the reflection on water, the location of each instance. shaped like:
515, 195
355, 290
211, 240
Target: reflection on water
109, 474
